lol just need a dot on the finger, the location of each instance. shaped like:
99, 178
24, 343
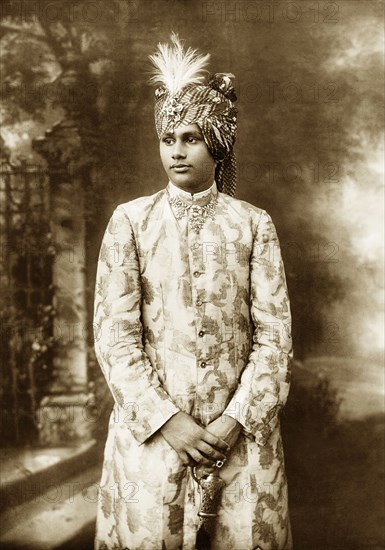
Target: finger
185, 459
216, 441
210, 452
199, 458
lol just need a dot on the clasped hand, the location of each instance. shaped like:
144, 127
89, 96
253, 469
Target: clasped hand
197, 445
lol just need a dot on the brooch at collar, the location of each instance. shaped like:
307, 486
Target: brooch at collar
198, 214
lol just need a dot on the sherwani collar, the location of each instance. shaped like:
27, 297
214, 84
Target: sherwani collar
200, 199
197, 207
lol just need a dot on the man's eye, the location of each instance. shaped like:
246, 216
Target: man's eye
167, 141
192, 140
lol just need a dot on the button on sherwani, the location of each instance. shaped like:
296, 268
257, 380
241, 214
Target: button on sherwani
192, 314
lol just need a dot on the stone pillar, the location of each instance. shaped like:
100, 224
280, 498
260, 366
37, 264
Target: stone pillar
66, 413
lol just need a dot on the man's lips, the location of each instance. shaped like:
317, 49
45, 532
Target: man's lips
181, 165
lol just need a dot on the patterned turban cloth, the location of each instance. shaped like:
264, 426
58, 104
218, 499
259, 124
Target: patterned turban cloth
211, 107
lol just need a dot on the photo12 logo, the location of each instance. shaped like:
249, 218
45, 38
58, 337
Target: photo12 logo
71, 11
270, 11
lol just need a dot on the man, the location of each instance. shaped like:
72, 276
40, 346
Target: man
193, 336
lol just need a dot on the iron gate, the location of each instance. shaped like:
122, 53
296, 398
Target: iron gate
26, 299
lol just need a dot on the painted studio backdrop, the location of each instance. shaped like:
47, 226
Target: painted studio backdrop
78, 137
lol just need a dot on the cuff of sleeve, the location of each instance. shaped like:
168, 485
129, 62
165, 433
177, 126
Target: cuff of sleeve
144, 430
238, 408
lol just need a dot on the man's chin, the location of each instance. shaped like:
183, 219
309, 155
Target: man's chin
181, 176
183, 180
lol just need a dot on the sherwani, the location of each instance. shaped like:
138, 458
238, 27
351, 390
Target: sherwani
195, 319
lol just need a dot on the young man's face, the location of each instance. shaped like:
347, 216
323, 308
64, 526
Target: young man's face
186, 159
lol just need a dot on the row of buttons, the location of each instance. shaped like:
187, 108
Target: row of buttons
199, 302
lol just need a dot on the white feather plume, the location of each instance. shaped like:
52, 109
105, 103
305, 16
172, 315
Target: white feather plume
175, 68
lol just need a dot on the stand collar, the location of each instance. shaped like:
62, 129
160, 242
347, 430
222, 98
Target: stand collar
202, 198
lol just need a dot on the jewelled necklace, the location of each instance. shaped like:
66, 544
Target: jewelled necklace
198, 214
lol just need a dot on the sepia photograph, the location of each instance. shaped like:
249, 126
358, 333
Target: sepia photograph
192, 275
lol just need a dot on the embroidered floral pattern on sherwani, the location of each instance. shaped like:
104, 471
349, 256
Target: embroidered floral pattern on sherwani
199, 322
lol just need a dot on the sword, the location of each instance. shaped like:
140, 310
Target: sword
210, 488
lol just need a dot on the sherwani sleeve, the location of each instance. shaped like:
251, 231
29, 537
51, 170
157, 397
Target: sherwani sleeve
143, 402
265, 381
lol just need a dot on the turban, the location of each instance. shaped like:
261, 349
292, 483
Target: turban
186, 96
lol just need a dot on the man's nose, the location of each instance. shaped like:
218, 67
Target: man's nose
178, 151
